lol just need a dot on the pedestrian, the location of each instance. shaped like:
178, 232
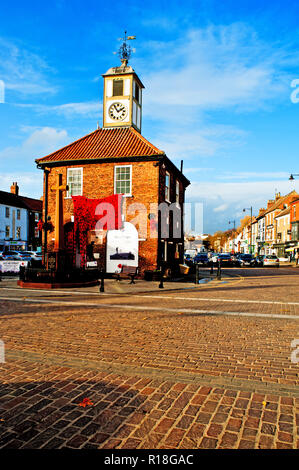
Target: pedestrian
297, 257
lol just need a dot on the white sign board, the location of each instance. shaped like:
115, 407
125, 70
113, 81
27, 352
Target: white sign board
122, 248
91, 264
11, 266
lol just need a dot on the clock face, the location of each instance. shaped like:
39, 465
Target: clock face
117, 111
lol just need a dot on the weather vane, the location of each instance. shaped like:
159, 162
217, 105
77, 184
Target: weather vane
125, 51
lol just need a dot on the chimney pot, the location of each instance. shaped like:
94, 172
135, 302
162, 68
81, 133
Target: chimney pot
14, 189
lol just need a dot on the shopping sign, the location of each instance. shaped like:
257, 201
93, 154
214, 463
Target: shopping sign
12, 266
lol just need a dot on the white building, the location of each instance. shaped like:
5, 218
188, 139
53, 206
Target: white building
19, 217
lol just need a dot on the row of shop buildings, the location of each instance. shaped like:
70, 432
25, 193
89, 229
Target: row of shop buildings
275, 230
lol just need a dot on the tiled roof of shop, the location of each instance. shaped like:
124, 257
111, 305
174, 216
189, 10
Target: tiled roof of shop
284, 212
292, 195
105, 143
14, 200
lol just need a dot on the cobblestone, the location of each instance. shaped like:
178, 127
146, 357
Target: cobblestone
160, 378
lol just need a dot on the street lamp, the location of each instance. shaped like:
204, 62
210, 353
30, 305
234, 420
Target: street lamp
291, 178
250, 209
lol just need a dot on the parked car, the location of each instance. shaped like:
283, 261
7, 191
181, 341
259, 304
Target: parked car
214, 258
270, 260
245, 259
36, 255
191, 253
201, 258
23, 255
9, 254
225, 259
259, 260
188, 260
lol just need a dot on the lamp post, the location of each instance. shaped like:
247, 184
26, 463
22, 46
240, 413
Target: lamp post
233, 222
250, 209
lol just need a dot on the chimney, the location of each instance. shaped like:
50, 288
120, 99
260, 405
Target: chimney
270, 202
14, 189
277, 196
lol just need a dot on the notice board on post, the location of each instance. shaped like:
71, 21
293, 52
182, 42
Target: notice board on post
122, 248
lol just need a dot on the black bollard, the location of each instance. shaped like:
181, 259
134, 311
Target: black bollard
212, 268
161, 286
22, 273
219, 270
102, 286
196, 274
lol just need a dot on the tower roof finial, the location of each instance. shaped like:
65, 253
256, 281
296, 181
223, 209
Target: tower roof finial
125, 51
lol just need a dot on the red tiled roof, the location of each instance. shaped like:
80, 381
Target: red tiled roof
284, 212
281, 200
105, 143
35, 205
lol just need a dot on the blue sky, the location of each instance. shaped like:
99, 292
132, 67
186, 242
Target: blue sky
217, 79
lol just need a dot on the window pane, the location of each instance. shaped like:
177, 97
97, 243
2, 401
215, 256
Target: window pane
118, 87
74, 181
123, 180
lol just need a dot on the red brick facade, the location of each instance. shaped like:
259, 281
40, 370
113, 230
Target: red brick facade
148, 188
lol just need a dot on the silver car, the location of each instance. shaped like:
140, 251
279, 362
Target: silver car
270, 260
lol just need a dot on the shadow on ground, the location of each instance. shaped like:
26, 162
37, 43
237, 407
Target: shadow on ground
47, 414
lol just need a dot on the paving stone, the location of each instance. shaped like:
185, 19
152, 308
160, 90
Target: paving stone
181, 381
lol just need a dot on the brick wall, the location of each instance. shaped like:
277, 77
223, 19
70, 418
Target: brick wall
98, 182
148, 187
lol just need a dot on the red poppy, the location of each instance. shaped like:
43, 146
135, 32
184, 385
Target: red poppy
85, 402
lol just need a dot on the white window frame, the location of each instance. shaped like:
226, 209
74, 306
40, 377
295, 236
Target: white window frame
167, 195
69, 170
123, 166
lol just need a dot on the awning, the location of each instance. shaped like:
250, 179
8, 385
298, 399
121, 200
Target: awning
293, 248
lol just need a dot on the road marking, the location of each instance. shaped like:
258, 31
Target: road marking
151, 308
195, 299
219, 300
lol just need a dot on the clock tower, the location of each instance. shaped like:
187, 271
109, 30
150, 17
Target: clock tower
122, 104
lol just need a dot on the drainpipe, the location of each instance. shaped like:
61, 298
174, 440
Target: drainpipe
45, 201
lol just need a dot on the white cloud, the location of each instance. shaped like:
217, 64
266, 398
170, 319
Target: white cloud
217, 68
23, 72
213, 68
39, 143
30, 183
220, 208
88, 109
249, 175
229, 199
234, 193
